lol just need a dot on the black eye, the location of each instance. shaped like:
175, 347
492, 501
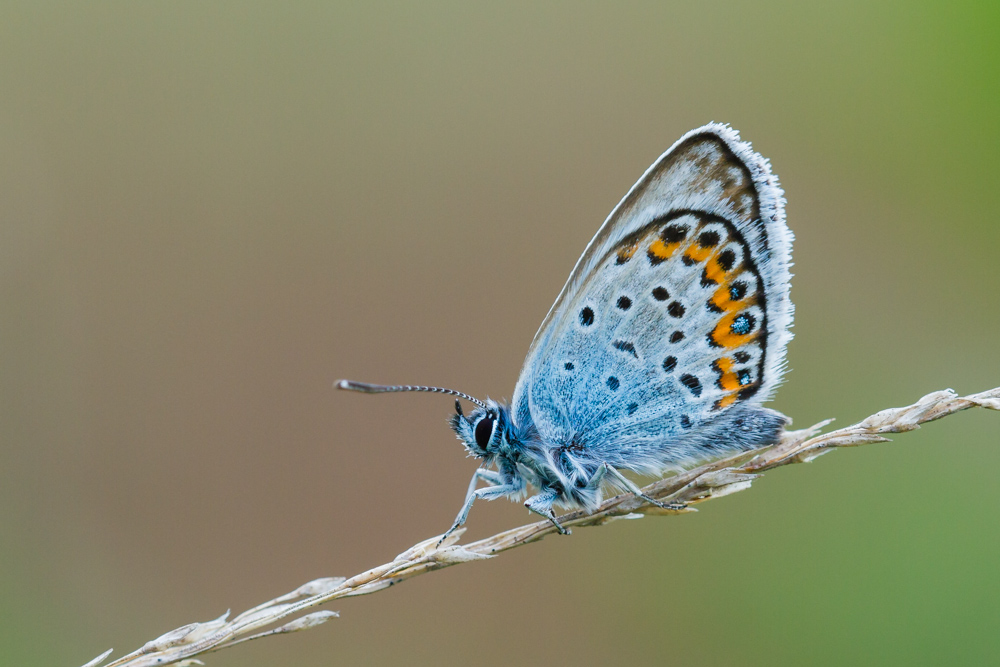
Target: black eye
484, 429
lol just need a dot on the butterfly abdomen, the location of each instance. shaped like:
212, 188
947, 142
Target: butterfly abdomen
743, 428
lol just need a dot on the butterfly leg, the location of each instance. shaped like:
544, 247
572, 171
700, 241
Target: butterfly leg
595, 482
488, 492
631, 487
542, 505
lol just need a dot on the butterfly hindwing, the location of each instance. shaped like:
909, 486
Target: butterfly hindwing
676, 314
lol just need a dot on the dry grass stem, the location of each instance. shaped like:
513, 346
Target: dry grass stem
713, 480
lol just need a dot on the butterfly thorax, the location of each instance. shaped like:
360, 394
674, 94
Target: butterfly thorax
522, 457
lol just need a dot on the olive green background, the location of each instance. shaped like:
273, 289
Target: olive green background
210, 212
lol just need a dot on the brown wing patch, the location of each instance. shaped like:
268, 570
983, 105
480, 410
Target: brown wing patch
718, 167
626, 250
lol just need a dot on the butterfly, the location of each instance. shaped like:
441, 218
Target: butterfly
658, 353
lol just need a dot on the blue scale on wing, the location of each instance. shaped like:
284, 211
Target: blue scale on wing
616, 369
652, 400
623, 404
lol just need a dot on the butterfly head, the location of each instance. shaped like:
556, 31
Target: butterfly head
485, 432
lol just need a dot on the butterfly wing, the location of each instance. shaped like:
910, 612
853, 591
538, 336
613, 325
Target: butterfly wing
676, 315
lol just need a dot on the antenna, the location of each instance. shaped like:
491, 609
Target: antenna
366, 388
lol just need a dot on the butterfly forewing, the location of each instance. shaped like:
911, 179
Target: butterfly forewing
677, 311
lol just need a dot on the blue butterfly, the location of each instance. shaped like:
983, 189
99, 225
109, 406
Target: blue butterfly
658, 353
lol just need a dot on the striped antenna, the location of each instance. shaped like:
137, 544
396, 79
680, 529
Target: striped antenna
366, 388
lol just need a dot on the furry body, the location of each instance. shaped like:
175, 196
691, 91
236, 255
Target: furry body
522, 458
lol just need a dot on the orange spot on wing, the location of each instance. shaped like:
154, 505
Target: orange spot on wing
663, 250
625, 252
698, 254
727, 378
715, 272
725, 401
723, 301
723, 335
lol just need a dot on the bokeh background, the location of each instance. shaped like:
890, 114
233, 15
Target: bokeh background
209, 213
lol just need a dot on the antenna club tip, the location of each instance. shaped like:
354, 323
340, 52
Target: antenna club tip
342, 384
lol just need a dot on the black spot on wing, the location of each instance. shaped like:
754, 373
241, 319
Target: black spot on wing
569, 365
632, 408
669, 364
685, 421
726, 260
613, 383
674, 233
742, 357
743, 324
625, 346
708, 239
676, 309
692, 383
624, 302
660, 294
737, 291
587, 316
676, 336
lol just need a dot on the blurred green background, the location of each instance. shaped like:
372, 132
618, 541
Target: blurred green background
209, 213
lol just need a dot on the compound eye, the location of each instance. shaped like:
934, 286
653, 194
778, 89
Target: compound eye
484, 431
